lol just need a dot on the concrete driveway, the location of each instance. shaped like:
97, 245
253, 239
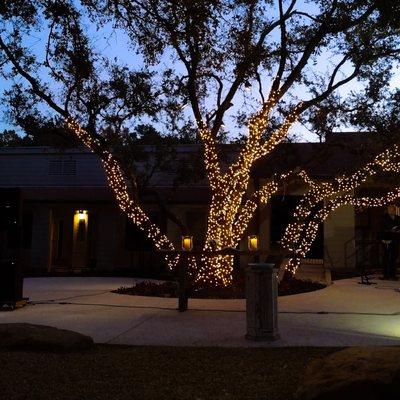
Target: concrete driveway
344, 314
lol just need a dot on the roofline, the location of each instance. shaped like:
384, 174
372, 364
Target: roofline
83, 150
181, 148
43, 150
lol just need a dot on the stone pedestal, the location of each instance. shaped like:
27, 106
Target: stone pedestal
262, 302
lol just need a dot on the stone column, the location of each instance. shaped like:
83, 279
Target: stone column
262, 302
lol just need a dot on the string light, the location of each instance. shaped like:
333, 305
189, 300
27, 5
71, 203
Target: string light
325, 197
228, 216
300, 236
230, 213
227, 219
125, 200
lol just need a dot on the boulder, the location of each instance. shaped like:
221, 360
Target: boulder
369, 373
21, 336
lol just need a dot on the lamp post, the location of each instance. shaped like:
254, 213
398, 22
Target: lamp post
253, 242
187, 243
200, 254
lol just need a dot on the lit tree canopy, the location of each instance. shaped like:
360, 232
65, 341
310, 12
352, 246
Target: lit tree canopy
248, 70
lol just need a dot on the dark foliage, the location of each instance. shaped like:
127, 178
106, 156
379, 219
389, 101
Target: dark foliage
204, 54
288, 286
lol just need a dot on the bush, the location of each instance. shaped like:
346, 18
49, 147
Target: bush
289, 285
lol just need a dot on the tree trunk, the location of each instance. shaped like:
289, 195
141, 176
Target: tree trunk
215, 271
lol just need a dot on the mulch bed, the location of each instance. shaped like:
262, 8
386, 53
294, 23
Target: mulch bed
288, 286
156, 373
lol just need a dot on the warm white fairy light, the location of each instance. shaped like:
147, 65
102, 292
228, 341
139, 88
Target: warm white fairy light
259, 197
300, 236
229, 215
325, 197
125, 201
256, 147
210, 157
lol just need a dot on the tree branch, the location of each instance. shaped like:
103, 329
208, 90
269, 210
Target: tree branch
33, 82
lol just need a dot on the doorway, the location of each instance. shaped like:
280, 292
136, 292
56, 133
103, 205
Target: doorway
282, 208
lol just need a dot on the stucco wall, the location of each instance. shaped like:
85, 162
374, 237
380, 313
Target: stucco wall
106, 239
339, 229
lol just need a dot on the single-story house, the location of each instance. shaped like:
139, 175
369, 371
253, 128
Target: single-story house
71, 223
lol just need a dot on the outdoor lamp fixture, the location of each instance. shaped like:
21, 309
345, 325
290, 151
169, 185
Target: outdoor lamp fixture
187, 243
82, 214
253, 242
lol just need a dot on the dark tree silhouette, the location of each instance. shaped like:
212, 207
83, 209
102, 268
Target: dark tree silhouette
263, 64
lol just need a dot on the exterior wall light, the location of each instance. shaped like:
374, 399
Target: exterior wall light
81, 219
82, 215
253, 242
187, 243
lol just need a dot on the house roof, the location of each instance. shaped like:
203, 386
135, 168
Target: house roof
88, 195
340, 153
45, 167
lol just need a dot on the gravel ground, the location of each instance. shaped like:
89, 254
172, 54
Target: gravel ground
122, 372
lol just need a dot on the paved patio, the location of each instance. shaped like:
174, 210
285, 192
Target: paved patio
344, 314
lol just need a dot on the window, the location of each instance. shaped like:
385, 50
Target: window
62, 167
69, 167
136, 239
55, 167
282, 208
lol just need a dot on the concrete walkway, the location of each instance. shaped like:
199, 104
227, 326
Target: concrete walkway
344, 314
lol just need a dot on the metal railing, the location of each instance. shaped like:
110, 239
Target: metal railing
348, 254
368, 254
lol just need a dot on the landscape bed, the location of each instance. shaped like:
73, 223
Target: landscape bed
288, 286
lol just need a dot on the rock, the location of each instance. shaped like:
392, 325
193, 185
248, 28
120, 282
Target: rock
21, 336
369, 373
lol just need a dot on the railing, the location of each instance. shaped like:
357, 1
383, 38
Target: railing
367, 253
347, 254
327, 256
